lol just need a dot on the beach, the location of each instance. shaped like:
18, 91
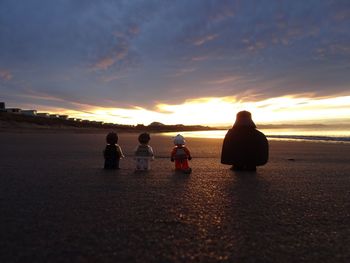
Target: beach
59, 205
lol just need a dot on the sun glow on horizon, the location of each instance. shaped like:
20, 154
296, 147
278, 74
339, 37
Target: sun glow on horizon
217, 111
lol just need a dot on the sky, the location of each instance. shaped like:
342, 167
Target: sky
178, 61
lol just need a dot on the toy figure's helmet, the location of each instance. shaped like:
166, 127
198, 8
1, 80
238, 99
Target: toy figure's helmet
244, 119
179, 140
112, 138
144, 138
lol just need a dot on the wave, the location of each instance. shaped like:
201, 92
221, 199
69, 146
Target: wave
296, 135
310, 138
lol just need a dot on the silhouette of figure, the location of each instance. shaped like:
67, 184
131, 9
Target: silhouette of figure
112, 153
144, 153
244, 147
180, 154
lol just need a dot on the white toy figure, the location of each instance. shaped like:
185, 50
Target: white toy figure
144, 153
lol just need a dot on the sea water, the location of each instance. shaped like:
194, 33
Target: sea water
295, 134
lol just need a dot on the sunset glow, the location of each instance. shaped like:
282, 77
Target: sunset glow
221, 111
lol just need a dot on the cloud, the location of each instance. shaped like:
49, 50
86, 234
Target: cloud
183, 71
134, 30
199, 58
204, 39
111, 78
224, 13
275, 47
104, 63
45, 98
118, 53
5, 74
339, 48
256, 46
224, 80
342, 15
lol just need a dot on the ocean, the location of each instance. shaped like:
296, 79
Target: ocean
326, 134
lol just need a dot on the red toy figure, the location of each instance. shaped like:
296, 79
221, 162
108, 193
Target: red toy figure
180, 154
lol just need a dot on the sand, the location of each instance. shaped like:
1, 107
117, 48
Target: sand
58, 205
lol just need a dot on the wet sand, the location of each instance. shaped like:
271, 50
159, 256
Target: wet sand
58, 205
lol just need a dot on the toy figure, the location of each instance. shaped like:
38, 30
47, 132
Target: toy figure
144, 153
112, 153
244, 147
180, 154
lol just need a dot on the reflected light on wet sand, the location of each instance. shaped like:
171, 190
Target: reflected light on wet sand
272, 134
217, 134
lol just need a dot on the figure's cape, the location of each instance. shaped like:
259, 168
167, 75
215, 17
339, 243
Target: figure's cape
245, 145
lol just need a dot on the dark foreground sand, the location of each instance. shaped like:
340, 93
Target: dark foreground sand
58, 205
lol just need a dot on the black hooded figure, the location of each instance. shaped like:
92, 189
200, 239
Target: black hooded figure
244, 147
112, 152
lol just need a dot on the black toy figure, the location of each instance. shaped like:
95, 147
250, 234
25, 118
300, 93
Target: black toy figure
244, 147
112, 153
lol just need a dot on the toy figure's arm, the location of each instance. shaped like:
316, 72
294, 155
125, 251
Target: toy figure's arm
136, 152
187, 151
120, 152
172, 156
151, 153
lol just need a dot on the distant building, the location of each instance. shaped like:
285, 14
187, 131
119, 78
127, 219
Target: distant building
54, 116
72, 119
97, 122
2, 106
29, 112
63, 117
14, 110
43, 114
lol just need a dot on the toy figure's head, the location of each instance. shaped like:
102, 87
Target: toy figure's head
112, 138
244, 119
144, 138
179, 140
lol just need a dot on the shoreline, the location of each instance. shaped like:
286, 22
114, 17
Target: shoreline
187, 134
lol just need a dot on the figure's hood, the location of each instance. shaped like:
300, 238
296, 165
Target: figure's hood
244, 119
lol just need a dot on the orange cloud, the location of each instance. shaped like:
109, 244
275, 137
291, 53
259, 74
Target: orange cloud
110, 78
104, 63
224, 80
204, 39
118, 54
5, 74
134, 30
